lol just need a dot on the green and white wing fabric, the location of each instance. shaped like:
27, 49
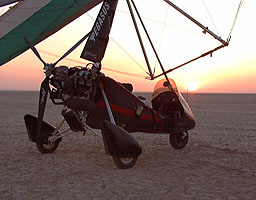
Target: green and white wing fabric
36, 20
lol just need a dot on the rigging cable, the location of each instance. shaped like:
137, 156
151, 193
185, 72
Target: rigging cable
210, 17
161, 38
136, 75
232, 28
83, 63
166, 24
122, 48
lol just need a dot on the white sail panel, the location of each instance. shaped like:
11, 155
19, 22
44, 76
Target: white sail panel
7, 2
18, 14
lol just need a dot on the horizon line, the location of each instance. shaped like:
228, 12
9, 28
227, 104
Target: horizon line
3, 90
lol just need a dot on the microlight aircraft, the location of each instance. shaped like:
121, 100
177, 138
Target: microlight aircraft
91, 100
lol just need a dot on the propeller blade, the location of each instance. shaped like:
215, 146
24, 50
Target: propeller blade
41, 108
72, 49
34, 50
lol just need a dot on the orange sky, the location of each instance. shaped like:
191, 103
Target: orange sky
230, 70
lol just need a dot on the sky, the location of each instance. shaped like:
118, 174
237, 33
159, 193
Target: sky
176, 39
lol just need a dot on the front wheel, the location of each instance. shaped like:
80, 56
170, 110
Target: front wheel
48, 148
178, 140
123, 162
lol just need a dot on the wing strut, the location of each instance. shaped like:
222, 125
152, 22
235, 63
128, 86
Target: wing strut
140, 39
201, 56
149, 39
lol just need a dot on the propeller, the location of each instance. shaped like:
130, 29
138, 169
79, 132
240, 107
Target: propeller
34, 50
44, 88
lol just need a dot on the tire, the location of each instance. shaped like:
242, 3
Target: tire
124, 163
178, 140
48, 148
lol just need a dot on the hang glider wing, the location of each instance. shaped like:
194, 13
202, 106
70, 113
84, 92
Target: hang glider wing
36, 20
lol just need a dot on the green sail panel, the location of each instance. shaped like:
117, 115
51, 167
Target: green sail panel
40, 25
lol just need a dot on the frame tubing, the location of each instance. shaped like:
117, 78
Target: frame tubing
79, 114
110, 114
139, 37
151, 43
58, 127
203, 55
64, 133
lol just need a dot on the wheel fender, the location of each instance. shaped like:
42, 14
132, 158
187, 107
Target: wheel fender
31, 124
118, 141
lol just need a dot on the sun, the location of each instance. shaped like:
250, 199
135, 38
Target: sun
192, 86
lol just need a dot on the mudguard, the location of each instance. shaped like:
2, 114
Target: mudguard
118, 141
31, 124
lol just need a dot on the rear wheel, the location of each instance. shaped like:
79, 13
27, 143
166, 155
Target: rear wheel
48, 148
178, 140
124, 162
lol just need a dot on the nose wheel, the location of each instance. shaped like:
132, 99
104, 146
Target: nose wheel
178, 140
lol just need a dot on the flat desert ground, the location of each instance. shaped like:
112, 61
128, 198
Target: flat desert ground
219, 161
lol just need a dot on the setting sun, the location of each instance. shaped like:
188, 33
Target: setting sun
192, 86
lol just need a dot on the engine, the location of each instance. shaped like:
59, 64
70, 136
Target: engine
73, 82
